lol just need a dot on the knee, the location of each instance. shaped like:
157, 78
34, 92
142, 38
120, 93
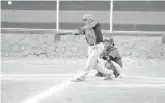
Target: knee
120, 63
108, 65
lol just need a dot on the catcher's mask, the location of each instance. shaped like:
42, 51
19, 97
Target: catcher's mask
110, 41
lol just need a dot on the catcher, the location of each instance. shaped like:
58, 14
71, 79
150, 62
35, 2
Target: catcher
112, 56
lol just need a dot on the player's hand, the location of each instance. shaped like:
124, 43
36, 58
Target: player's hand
81, 31
76, 34
101, 56
106, 58
84, 27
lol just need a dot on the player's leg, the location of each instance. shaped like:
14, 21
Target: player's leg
99, 74
92, 60
101, 63
89, 50
117, 68
107, 72
119, 62
111, 66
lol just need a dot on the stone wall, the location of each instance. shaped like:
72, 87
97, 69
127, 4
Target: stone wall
49, 45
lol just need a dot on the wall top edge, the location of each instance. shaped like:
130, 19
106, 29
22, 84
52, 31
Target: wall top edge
82, 0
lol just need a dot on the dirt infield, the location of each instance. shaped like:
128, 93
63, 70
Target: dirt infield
48, 81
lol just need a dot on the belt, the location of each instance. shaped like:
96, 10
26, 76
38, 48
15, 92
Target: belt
95, 44
118, 58
91, 44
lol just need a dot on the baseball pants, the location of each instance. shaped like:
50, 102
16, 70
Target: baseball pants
93, 54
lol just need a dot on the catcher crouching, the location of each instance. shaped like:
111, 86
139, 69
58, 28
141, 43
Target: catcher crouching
112, 57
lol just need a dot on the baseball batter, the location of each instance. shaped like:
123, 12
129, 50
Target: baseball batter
94, 38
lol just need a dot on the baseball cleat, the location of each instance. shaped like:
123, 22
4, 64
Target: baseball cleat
100, 75
117, 75
109, 77
77, 80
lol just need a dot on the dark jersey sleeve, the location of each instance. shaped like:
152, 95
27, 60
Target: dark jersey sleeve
98, 33
114, 53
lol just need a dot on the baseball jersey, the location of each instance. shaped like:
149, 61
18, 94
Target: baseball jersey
93, 33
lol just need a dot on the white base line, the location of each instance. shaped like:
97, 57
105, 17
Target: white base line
37, 75
142, 81
54, 90
57, 88
47, 93
8, 61
131, 85
143, 77
34, 75
65, 77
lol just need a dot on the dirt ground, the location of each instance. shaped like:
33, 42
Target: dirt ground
41, 80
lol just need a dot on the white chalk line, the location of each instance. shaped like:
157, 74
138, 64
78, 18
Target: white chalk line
54, 90
39, 97
144, 81
65, 77
130, 86
57, 88
34, 75
49, 75
32, 61
8, 61
59, 61
144, 77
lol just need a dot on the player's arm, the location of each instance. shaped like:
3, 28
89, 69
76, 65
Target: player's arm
80, 32
113, 54
104, 55
119, 61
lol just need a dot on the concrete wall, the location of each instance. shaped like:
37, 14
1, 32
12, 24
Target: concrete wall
128, 15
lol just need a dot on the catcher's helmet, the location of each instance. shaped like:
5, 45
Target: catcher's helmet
110, 40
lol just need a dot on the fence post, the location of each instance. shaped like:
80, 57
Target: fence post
163, 39
57, 15
111, 16
163, 44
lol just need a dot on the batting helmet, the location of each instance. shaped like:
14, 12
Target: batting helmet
87, 17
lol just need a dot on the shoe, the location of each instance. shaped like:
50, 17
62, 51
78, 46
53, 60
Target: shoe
100, 75
120, 76
117, 75
77, 80
109, 77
